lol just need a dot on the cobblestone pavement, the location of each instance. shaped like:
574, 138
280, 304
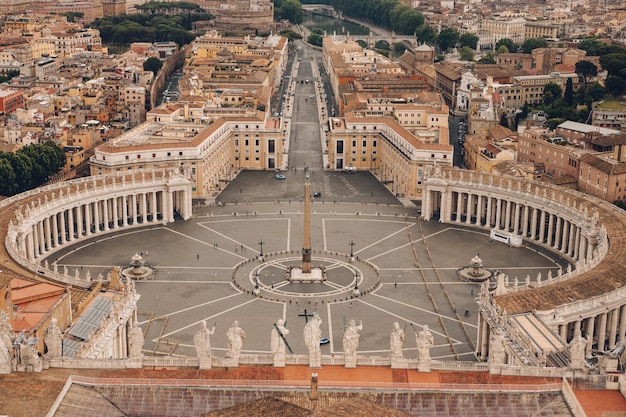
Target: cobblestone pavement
199, 274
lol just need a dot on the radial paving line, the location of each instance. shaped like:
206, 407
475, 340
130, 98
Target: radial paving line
445, 292
430, 295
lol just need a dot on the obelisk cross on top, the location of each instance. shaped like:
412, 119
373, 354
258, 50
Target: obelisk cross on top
306, 235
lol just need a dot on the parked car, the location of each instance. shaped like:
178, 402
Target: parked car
324, 341
350, 169
317, 195
279, 176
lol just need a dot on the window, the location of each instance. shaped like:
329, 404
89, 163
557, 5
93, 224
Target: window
154, 155
364, 143
127, 157
138, 156
180, 153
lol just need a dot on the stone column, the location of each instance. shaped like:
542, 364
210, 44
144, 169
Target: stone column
590, 248
155, 212
542, 226
507, 216
55, 230
63, 226
144, 208
525, 221
480, 210
565, 236
602, 331
459, 203
516, 218
613, 328
572, 239
105, 214
483, 330
70, 223
557, 234
79, 221
115, 205
589, 336
88, 219
576, 247
489, 209
470, 208
30, 248
426, 209
41, 238
34, 233
550, 229
96, 216
498, 226
125, 204
533, 224
563, 331
169, 214
622, 325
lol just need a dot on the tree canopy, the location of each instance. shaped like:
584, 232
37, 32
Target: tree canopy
447, 39
508, 43
467, 53
468, 39
153, 64
533, 43
29, 167
391, 14
288, 9
150, 26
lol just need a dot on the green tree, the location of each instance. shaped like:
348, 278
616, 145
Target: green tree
425, 34
613, 62
362, 43
447, 39
586, 70
153, 64
502, 50
73, 16
615, 85
551, 92
568, 95
468, 39
399, 47
290, 34
504, 120
594, 92
382, 44
290, 10
593, 46
467, 53
553, 123
508, 43
488, 58
533, 43
315, 39
8, 185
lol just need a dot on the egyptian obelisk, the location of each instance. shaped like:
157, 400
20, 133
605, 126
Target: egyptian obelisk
306, 235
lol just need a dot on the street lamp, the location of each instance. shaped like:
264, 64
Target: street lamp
261, 243
351, 243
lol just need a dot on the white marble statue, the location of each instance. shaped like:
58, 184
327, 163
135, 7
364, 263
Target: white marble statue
312, 335
351, 339
136, 340
277, 342
497, 348
577, 349
54, 339
202, 340
235, 336
396, 341
424, 341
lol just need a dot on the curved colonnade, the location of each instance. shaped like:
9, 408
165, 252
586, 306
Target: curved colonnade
587, 231
49, 218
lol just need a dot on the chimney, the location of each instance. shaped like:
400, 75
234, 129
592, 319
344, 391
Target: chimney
313, 395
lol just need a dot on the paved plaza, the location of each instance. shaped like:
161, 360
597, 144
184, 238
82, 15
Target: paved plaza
207, 268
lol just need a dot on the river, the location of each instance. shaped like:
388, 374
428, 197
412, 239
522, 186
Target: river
331, 25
